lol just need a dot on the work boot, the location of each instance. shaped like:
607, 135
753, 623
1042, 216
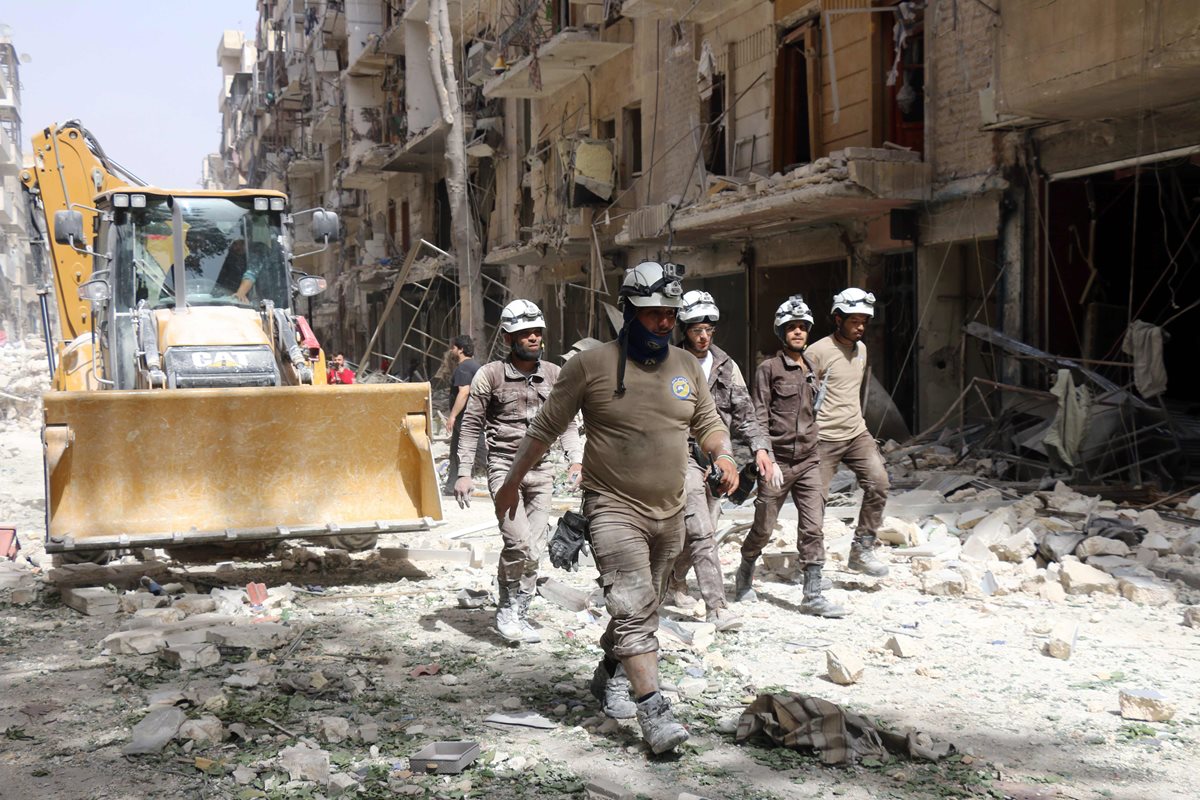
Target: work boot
612, 690
529, 634
798, 577
724, 619
864, 560
508, 620
815, 602
659, 728
743, 588
678, 595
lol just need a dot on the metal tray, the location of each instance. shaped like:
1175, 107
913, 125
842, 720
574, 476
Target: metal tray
444, 758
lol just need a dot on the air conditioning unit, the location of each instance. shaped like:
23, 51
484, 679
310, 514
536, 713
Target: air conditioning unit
479, 64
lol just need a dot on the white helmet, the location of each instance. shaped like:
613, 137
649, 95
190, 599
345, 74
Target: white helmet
794, 309
853, 301
650, 285
521, 315
698, 307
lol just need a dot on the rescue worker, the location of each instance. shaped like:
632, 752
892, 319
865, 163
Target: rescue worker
840, 361
697, 320
785, 389
504, 397
640, 397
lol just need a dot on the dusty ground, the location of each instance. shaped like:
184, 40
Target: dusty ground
1031, 726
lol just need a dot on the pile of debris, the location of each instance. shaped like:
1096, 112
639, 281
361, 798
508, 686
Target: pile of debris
24, 377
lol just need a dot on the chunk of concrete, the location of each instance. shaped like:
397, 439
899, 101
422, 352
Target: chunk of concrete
1101, 546
342, 784
305, 764
155, 730
202, 730
844, 665
905, 646
900, 532
244, 775
1191, 616
602, 789
195, 604
135, 601
1056, 546
1079, 578
1146, 705
91, 600
1157, 542
334, 729
140, 642
1146, 591
977, 548
264, 636
943, 583
1017, 547
191, 656
1061, 643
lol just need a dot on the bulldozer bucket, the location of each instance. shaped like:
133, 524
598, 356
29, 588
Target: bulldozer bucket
192, 466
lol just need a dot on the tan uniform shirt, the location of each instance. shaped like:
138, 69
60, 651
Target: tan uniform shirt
636, 450
842, 370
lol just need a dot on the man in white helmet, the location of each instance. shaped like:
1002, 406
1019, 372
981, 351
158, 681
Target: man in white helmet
697, 320
505, 396
640, 399
785, 390
840, 360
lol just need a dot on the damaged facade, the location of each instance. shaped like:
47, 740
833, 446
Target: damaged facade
18, 289
968, 162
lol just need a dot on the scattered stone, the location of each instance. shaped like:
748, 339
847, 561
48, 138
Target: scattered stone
342, 783
264, 636
692, 687
122, 576
191, 656
904, 646
131, 602
244, 775
563, 596
334, 729
202, 730
900, 532
944, 583
1079, 578
449, 679
977, 548
368, 732
243, 680
139, 642
1146, 591
1061, 643
1056, 546
195, 604
1156, 542
601, 789
305, 764
969, 519
91, 600
1101, 546
1146, 705
511, 703
845, 666
155, 730
1017, 547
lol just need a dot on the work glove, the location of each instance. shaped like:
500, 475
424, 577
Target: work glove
569, 538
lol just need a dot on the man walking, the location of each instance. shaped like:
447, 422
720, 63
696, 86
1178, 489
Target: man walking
840, 361
640, 398
697, 319
462, 350
785, 390
504, 398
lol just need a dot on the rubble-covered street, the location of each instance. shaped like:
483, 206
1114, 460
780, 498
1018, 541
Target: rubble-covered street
1053, 675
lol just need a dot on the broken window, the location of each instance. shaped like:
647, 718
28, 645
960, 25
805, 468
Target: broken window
587, 166
797, 98
904, 53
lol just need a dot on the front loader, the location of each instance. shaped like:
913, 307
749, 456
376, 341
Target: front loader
189, 404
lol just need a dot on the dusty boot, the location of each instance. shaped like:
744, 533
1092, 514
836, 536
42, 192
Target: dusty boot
724, 619
678, 595
508, 618
743, 588
612, 690
798, 578
814, 601
529, 634
864, 560
659, 728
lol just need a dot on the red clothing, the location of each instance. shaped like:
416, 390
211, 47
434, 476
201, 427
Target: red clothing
344, 375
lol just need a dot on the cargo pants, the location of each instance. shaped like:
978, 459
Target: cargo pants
524, 536
634, 556
701, 513
862, 456
802, 481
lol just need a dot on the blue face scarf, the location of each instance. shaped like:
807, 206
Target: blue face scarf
643, 346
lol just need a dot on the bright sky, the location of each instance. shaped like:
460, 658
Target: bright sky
141, 76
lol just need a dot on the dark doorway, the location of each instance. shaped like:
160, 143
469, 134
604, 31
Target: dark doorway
441, 215
897, 315
772, 285
795, 78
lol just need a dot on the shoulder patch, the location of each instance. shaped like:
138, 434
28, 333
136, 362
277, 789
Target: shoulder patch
681, 387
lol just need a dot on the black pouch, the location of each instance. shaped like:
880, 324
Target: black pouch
747, 479
569, 538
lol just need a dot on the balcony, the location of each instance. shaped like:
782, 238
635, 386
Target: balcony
852, 184
1088, 59
305, 165
366, 167
370, 61
391, 41
421, 151
562, 59
698, 11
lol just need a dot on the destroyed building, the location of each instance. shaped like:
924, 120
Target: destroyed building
18, 290
1014, 180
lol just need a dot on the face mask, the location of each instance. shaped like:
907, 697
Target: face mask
645, 347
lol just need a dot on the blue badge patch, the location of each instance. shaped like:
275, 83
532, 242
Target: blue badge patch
681, 387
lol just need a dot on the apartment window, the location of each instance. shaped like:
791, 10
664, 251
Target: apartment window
631, 144
796, 132
606, 128
905, 104
715, 139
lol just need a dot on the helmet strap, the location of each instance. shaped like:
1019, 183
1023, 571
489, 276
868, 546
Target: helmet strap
622, 357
